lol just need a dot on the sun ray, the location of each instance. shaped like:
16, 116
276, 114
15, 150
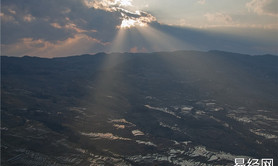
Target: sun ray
118, 44
161, 41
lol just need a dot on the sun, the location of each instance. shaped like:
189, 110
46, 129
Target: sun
124, 2
127, 23
133, 22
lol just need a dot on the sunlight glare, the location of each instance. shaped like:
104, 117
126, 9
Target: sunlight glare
124, 2
127, 23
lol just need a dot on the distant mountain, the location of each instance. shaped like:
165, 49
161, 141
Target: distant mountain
163, 108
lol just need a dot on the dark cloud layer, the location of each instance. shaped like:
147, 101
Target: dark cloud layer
37, 19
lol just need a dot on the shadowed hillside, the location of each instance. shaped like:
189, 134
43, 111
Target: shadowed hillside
164, 108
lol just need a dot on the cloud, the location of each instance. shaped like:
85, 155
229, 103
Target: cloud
129, 16
54, 21
263, 7
67, 27
53, 24
7, 17
12, 11
139, 18
218, 17
28, 18
108, 5
100, 4
201, 2
137, 50
75, 45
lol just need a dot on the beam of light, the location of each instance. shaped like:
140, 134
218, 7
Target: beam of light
109, 80
128, 38
118, 44
161, 41
145, 38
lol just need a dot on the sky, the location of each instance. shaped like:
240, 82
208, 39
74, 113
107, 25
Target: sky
72, 27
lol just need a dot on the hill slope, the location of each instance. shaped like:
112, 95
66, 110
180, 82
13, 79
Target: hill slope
166, 108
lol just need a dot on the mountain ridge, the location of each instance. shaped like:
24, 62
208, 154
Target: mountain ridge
136, 53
